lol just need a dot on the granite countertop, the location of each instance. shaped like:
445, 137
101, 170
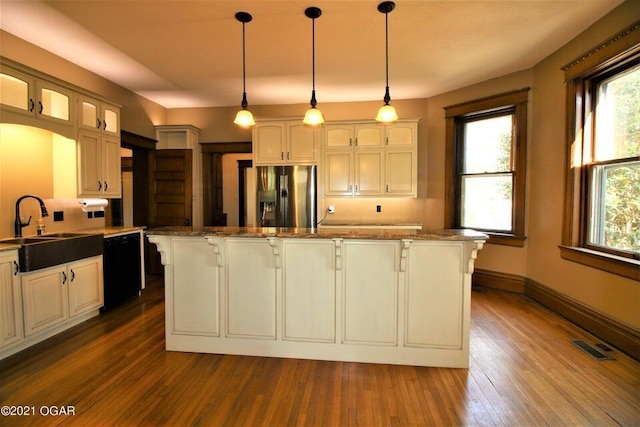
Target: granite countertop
372, 225
107, 231
327, 233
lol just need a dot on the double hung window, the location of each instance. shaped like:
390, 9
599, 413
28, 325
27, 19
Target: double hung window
486, 145
602, 197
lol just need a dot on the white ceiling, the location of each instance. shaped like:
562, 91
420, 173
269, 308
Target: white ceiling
189, 53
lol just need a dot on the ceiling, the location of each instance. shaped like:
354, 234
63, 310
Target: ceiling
189, 53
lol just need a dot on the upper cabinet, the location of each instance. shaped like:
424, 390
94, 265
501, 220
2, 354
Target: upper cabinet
98, 116
370, 159
285, 143
28, 100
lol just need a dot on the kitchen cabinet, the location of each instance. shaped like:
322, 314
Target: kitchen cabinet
371, 159
370, 292
251, 292
11, 328
98, 116
28, 100
403, 300
285, 143
98, 165
309, 290
54, 295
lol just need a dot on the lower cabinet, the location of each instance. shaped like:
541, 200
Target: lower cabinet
54, 295
11, 329
404, 301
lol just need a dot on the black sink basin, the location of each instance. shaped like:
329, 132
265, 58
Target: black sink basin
46, 251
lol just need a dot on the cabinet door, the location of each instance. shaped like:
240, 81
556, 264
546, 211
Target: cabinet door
45, 298
301, 147
53, 102
111, 173
195, 300
251, 289
11, 329
89, 114
86, 290
401, 173
90, 164
268, 139
339, 136
368, 173
338, 173
370, 290
434, 295
110, 119
369, 136
403, 135
17, 92
309, 290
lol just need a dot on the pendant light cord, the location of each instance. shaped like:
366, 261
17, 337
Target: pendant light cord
244, 86
313, 63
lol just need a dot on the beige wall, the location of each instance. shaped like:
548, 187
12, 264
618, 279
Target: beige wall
539, 259
607, 293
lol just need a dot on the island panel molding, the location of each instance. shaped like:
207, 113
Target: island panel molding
378, 296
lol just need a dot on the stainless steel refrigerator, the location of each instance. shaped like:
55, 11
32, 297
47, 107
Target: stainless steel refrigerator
286, 196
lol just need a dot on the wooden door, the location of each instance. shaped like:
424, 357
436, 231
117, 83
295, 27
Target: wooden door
170, 192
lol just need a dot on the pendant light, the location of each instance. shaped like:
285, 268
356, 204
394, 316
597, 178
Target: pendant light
313, 116
244, 117
386, 113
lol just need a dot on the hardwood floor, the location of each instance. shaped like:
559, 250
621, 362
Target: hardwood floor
113, 370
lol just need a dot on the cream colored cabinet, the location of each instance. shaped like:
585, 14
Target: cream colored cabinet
370, 292
86, 287
194, 309
309, 290
251, 292
54, 295
98, 116
11, 328
349, 136
369, 159
34, 98
98, 165
434, 274
289, 142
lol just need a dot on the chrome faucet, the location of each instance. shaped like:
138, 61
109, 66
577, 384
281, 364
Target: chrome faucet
18, 223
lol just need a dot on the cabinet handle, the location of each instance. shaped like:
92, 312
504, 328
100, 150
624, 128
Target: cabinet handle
64, 277
288, 155
350, 143
32, 105
106, 185
104, 125
356, 142
99, 186
356, 188
387, 188
281, 155
73, 275
97, 123
350, 188
17, 268
41, 106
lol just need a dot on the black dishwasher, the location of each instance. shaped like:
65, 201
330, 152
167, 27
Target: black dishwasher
122, 270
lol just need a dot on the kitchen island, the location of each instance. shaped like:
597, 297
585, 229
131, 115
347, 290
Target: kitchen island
366, 295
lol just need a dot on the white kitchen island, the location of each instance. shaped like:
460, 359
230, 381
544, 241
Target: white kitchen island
380, 296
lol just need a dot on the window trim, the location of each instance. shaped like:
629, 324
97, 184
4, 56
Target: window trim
580, 74
517, 101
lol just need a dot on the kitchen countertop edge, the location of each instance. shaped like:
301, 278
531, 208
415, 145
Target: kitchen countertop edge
285, 232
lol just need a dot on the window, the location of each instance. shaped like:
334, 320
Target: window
602, 197
486, 149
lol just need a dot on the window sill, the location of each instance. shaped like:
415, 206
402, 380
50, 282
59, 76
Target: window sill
505, 239
624, 267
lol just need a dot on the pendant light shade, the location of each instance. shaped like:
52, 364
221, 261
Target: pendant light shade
244, 117
386, 113
313, 116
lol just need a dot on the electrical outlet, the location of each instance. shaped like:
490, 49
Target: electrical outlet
378, 208
331, 209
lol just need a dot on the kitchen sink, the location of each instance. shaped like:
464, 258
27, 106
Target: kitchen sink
57, 248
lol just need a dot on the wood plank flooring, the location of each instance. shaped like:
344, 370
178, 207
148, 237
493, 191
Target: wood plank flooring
113, 370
